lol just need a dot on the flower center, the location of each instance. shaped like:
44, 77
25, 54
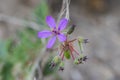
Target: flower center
55, 32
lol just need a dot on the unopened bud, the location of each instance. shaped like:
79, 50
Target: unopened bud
76, 61
61, 64
52, 65
80, 60
71, 29
56, 59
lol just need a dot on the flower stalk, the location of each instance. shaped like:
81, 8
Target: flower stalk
68, 51
67, 48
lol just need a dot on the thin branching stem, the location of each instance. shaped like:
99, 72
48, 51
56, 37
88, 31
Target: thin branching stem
64, 10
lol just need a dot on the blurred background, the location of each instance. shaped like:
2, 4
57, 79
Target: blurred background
23, 55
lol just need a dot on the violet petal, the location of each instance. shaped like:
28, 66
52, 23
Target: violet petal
44, 34
61, 37
51, 42
50, 21
63, 23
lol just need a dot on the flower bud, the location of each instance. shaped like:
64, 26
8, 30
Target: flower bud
52, 65
76, 61
71, 29
56, 59
61, 64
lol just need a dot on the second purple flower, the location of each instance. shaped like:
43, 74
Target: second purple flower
55, 31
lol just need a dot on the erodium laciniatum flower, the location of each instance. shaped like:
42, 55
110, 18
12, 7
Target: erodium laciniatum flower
55, 32
66, 49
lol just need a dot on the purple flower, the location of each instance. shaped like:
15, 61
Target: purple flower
55, 31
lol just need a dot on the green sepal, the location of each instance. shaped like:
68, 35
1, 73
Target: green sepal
67, 54
80, 41
81, 56
61, 64
76, 61
56, 59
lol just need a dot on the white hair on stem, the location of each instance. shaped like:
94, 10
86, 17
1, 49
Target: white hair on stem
67, 16
64, 10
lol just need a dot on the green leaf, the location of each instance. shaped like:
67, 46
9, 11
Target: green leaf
7, 71
4, 50
41, 12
